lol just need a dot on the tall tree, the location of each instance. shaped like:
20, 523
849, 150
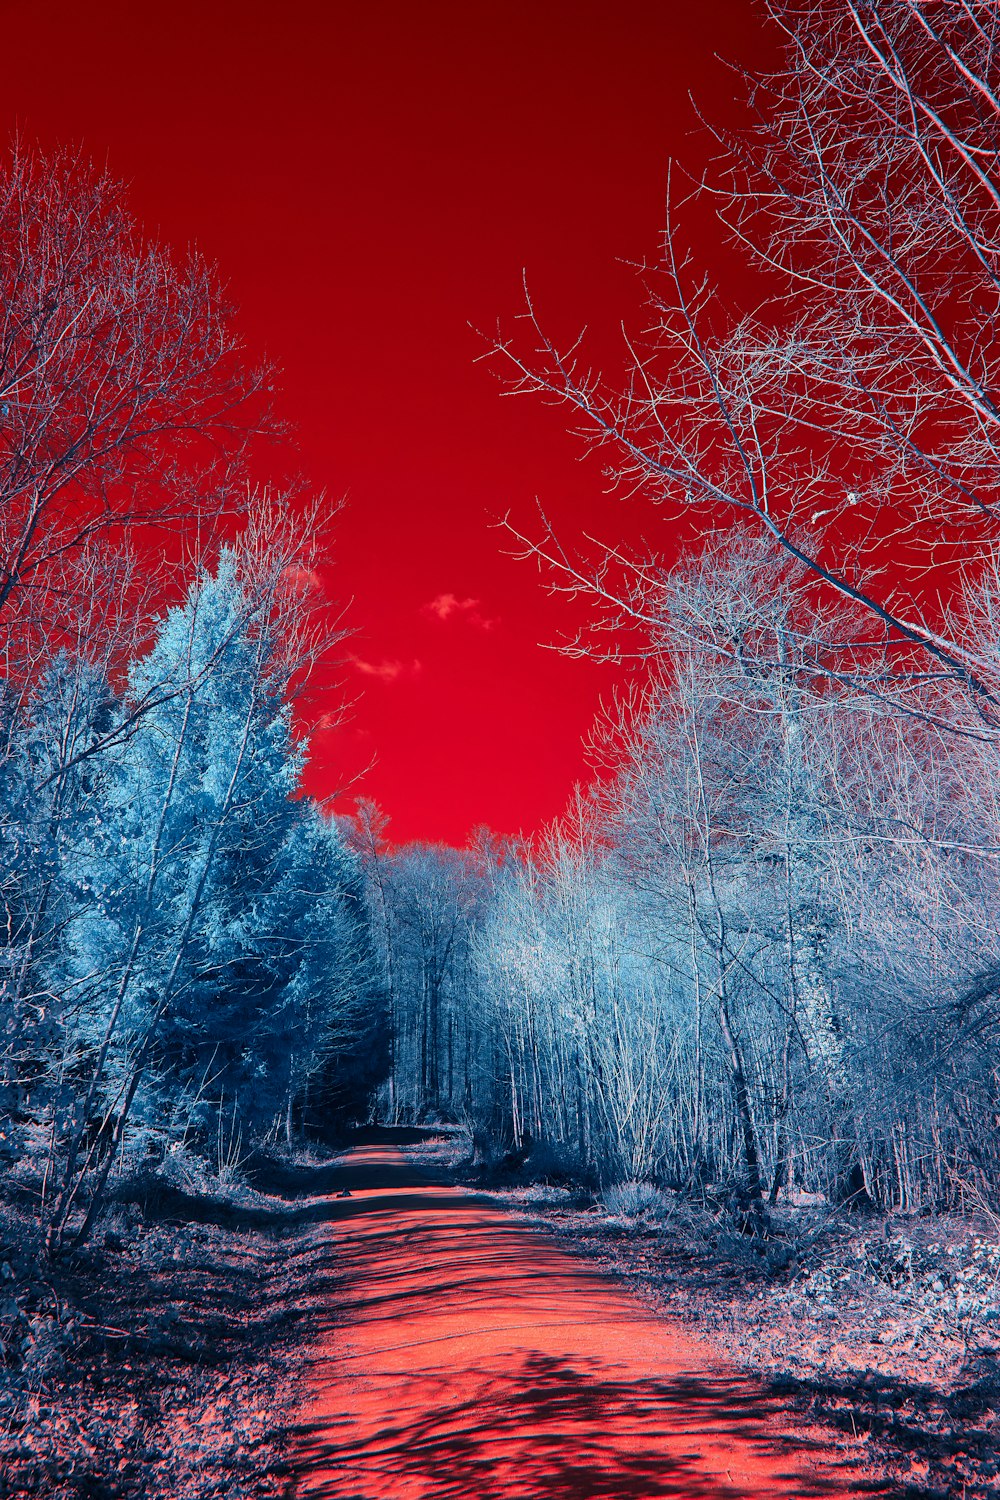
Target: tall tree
123, 396
847, 407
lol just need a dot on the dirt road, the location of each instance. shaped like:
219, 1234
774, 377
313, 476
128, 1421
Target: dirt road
468, 1358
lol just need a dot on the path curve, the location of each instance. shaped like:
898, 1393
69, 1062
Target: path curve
473, 1360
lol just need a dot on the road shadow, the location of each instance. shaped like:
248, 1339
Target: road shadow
549, 1425
358, 1170
466, 1357
305, 1193
165, 1202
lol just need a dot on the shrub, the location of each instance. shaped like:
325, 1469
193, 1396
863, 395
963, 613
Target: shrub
635, 1200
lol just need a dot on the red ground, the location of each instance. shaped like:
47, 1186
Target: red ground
472, 1359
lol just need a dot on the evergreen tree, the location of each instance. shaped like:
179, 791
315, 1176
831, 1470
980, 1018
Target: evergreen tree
214, 937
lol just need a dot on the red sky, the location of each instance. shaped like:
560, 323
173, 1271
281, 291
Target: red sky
371, 179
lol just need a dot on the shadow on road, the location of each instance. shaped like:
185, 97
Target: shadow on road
465, 1357
309, 1194
550, 1427
358, 1170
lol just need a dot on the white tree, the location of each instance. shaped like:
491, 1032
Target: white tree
847, 410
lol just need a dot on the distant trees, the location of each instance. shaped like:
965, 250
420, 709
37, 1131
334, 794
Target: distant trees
562, 991
764, 957
423, 900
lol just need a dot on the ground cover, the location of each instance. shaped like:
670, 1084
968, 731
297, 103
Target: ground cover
886, 1330
160, 1361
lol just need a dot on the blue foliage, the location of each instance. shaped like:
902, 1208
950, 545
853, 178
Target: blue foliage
209, 949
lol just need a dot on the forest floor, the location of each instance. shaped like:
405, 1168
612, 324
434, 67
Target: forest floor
161, 1360
355, 1327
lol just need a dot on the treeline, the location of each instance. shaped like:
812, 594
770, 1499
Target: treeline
763, 954
184, 951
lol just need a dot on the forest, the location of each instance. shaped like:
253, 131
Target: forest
187, 961
763, 954
762, 949
756, 963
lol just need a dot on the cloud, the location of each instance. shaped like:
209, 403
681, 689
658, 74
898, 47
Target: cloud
447, 605
387, 671
301, 580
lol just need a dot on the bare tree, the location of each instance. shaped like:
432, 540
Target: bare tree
123, 396
850, 410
